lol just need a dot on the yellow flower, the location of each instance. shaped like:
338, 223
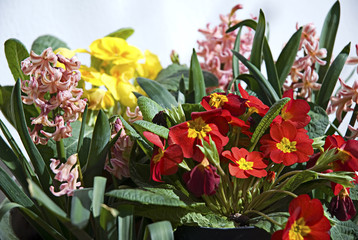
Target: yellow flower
151, 67
116, 50
67, 53
91, 75
125, 91
98, 99
124, 72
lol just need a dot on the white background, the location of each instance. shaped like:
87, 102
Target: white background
160, 25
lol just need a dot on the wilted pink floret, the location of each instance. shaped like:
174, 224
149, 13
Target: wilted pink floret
216, 48
134, 116
118, 165
52, 88
353, 60
66, 173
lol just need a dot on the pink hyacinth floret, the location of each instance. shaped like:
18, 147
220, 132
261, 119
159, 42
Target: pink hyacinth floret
216, 48
353, 60
118, 164
66, 173
134, 116
52, 89
302, 78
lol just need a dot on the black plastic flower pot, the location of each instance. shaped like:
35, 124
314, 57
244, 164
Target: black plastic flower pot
239, 233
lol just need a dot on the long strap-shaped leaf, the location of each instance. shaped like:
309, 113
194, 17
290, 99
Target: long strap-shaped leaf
257, 44
287, 56
159, 230
328, 37
332, 75
273, 97
196, 79
37, 161
267, 120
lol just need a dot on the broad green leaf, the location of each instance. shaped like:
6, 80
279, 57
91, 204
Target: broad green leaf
37, 161
267, 120
272, 95
16, 52
328, 37
99, 188
81, 207
287, 56
45, 230
346, 230
196, 79
157, 92
148, 107
133, 133
108, 223
257, 44
98, 149
43, 42
122, 33
319, 121
280, 217
151, 127
331, 77
126, 222
159, 230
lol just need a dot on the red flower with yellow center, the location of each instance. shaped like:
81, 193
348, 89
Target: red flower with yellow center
231, 102
164, 161
203, 124
306, 221
286, 144
245, 163
253, 103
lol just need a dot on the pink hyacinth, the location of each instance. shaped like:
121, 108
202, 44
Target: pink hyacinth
353, 60
216, 48
118, 164
134, 116
66, 173
303, 78
52, 89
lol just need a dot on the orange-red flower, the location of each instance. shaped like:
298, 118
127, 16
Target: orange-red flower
253, 103
164, 161
231, 102
245, 163
295, 111
306, 221
286, 144
202, 179
203, 124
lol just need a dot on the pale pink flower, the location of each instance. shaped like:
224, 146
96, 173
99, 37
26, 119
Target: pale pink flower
134, 116
62, 130
309, 83
118, 165
66, 173
354, 132
353, 60
343, 100
34, 135
36, 64
216, 48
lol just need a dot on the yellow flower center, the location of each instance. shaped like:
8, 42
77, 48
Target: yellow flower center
158, 156
245, 165
217, 100
286, 146
298, 230
198, 128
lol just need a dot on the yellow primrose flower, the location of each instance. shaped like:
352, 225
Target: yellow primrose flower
67, 53
125, 91
115, 49
98, 99
151, 67
124, 72
91, 75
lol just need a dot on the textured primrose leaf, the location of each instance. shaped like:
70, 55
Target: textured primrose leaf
148, 107
319, 121
45, 41
16, 52
280, 217
152, 127
346, 230
122, 33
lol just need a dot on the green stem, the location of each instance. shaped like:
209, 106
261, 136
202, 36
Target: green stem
265, 216
288, 174
61, 152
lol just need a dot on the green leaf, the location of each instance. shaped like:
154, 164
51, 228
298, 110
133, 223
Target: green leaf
108, 222
126, 222
81, 207
346, 230
272, 75
261, 222
122, 33
98, 149
271, 93
157, 92
248, 22
287, 56
99, 188
331, 77
235, 60
37, 161
319, 121
152, 127
196, 79
16, 52
257, 44
159, 230
267, 120
84, 139
328, 37
148, 107
45, 41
